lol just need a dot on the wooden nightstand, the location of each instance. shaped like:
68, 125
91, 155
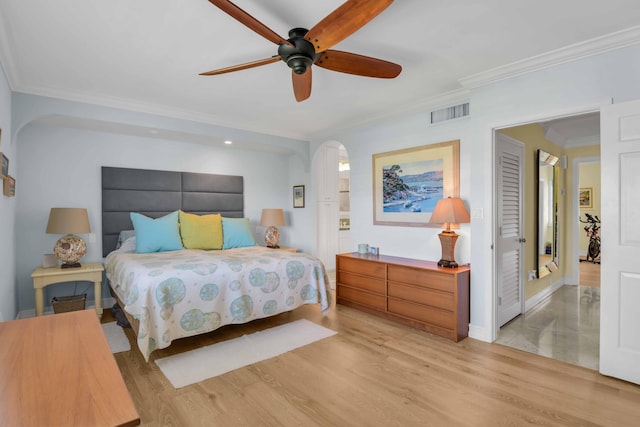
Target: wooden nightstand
90, 272
285, 248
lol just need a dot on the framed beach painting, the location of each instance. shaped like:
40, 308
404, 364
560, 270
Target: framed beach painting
408, 183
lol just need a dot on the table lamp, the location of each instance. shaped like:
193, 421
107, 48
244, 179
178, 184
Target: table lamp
449, 211
69, 248
272, 218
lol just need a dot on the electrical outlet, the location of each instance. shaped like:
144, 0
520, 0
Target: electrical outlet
533, 274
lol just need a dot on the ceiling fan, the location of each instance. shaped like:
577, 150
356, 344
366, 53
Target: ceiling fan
305, 48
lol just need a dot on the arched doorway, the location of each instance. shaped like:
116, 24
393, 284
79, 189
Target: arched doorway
332, 176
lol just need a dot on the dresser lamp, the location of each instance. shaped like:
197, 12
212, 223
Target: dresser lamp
69, 248
449, 211
272, 218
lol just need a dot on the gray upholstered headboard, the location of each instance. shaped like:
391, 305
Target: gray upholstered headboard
156, 193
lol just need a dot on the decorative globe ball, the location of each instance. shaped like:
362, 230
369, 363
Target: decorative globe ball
70, 249
272, 237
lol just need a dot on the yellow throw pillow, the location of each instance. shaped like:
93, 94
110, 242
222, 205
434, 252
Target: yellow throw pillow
201, 231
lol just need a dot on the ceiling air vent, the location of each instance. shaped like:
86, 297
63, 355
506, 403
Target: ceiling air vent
450, 113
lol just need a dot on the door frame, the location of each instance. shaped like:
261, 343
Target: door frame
524, 120
575, 263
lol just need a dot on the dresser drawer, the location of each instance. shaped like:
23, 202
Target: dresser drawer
425, 278
364, 267
363, 298
366, 283
421, 313
418, 294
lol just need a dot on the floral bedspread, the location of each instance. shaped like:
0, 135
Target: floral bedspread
189, 292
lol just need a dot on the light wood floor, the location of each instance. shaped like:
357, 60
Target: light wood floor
378, 373
590, 274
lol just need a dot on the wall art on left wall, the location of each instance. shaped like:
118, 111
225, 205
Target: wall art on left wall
9, 186
5, 166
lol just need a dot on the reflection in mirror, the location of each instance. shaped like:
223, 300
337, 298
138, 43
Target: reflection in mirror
547, 232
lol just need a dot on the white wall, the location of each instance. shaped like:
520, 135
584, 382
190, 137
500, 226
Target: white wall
8, 296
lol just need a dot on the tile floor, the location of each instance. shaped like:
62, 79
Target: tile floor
564, 326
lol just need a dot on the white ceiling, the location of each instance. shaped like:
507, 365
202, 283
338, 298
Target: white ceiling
574, 131
145, 55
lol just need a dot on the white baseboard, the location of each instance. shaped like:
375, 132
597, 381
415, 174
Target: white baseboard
479, 333
534, 300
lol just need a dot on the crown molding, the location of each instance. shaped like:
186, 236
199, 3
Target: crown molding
151, 108
595, 46
585, 141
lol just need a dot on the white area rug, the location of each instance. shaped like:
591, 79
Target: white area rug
207, 362
118, 341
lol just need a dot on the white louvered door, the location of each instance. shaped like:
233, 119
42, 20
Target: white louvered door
510, 231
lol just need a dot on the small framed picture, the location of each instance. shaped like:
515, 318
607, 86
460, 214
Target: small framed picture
298, 196
9, 186
5, 165
586, 198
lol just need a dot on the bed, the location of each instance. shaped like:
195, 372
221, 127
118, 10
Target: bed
177, 293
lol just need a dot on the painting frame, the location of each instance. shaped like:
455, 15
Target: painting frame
585, 198
446, 154
4, 170
298, 196
9, 186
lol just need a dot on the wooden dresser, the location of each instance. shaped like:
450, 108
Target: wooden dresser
414, 292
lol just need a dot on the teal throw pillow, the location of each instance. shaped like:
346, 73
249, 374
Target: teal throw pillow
236, 233
156, 235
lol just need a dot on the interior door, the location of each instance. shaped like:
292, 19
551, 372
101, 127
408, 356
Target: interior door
620, 269
328, 237
510, 230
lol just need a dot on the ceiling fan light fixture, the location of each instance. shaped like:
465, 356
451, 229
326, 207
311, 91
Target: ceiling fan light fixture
299, 63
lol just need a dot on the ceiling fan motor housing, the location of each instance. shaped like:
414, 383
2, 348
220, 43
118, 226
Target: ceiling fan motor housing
301, 55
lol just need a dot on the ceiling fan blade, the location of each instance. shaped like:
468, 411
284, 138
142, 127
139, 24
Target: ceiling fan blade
251, 64
249, 21
302, 85
344, 21
360, 65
